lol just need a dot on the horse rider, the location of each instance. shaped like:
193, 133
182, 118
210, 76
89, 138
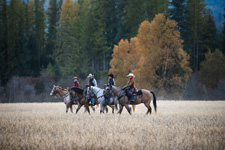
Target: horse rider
76, 84
92, 82
111, 83
130, 86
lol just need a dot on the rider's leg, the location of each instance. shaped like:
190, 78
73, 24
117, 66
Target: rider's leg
109, 98
76, 99
92, 100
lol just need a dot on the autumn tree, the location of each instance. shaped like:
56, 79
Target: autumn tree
125, 57
212, 69
163, 64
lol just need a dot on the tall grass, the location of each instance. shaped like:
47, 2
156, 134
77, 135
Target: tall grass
177, 125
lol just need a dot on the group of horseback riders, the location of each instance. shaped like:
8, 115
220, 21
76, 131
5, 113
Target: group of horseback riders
129, 88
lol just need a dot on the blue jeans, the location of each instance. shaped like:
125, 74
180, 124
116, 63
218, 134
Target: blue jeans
92, 100
76, 99
109, 98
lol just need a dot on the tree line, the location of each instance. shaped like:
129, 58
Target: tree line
78, 37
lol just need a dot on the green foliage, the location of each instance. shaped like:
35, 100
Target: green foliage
178, 12
212, 69
67, 54
3, 43
201, 32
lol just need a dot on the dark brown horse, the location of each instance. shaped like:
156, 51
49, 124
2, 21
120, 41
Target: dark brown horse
145, 98
83, 100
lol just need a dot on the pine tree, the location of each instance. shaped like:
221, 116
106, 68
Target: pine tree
135, 14
178, 13
200, 25
53, 18
67, 54
223, 37
3, 43
40, 32
33, 51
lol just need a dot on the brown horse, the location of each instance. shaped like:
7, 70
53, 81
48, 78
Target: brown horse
64, 93
83, 100
145, 98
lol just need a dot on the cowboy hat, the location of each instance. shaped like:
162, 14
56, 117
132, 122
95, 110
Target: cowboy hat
90, 75
74, 77
111, 75
130, 75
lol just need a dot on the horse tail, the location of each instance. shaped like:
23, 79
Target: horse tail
154, 101
133, 108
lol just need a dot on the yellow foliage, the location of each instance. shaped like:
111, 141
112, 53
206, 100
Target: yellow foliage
125, 58
69, 12
157, 57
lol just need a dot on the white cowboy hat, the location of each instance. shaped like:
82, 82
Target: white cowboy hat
90, 75
130, 75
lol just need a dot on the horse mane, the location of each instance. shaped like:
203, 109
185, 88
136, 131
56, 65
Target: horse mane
116, 87
76, 89
62, 88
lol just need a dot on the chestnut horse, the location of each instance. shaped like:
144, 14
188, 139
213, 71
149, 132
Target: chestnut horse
145, 98
64, 93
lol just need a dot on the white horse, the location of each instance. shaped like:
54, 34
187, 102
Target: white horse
99, 93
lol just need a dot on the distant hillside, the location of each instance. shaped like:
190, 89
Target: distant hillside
217, 7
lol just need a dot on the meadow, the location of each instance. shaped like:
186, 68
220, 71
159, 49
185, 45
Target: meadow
177, 125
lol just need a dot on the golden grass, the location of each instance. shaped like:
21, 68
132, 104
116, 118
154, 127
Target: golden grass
177, 125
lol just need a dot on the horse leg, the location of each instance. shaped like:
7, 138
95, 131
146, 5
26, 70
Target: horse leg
78, 108
106, 109
67, 108
128, 109
149, 108
121, 109
93, 108
112, 106
101, 108
87, 108
71, 108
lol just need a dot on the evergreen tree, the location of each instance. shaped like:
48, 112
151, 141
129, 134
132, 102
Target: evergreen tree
3, 43
67, 54
223, 37
52, 30
178, 13
199, 21
40, 32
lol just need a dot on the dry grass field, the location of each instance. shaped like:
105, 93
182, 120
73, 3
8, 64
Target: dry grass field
177, 125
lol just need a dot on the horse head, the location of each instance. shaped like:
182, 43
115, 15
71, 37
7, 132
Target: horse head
53, 91
89, 92
106, 91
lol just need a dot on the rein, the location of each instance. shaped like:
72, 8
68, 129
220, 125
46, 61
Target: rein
67, 94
